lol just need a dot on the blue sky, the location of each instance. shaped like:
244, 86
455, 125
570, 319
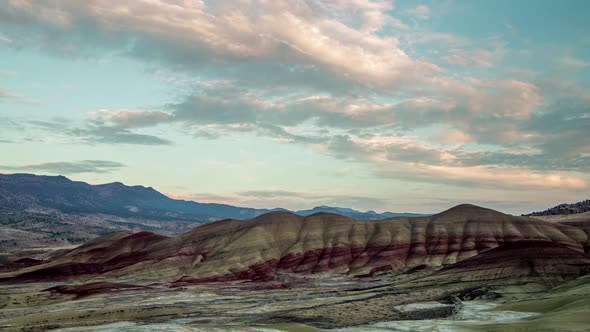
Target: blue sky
401, 106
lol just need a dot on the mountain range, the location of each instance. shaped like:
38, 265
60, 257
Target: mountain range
28, 191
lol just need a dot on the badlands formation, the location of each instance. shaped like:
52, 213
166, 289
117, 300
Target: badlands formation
321, 244
319, 271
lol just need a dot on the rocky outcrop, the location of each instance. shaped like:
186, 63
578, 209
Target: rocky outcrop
320, 244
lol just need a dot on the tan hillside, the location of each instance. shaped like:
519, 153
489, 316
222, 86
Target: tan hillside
320, 244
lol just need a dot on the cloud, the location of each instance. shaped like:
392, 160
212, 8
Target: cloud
471, 115
11, 96
408, 158
436, 38
227, 108
65, 167
573, 63
463, 103
560, 88
132, 119
294, 200
114, 135
339, 76
479, 57
452, 135
370, 16
563, 128
536, 160
341, 39
5, 40
307, 199
232, 106
100, 131
421, 12
489, 177
501, 113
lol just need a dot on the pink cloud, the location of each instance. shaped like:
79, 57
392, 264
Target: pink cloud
310, 32
505, 177
453, 135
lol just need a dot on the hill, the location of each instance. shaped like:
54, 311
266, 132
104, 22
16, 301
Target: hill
41, 213
324, 270
262, 248
564, 209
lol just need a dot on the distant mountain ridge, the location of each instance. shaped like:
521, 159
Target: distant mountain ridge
369, 215
25, 191
561, 209
29, 191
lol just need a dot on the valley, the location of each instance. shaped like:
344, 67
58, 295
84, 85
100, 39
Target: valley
294, 166
464, 269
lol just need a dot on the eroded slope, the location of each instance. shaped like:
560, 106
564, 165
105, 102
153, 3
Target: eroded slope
321, 244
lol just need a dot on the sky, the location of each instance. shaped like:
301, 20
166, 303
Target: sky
406, 106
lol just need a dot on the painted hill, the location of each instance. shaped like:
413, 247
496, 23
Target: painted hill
278, 243
564, 209
525, 258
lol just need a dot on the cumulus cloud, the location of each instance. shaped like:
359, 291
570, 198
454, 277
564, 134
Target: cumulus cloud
379, 133
463, 103
307, 36
324, 74
68, 167
408, 158
233, 106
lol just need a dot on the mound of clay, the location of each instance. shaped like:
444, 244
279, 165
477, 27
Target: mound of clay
542, 259
320, 244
